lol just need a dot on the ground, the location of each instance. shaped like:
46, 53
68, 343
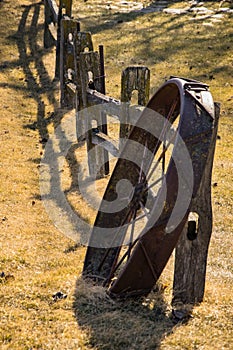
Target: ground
37, 260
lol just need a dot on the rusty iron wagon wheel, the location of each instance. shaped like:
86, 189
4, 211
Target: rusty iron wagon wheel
147, 200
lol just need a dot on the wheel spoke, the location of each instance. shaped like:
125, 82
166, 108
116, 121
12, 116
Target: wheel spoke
127, 253
163, 158
142, 164
144, 210
140, 217
167, 123
166, 126
162, 155
155, 183
131, 234
115, 237
132, 243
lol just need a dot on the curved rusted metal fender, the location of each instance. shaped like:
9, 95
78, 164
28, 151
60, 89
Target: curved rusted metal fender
196, 109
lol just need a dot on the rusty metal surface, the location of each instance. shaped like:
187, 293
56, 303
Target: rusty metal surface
152, 250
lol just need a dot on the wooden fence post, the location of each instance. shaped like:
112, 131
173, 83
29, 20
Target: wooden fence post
82, 42
133, 78
67, 6
68, 72
65, 10
91, 77
192, 249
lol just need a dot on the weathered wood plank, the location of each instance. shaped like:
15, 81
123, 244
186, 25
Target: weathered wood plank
67, 6
108, 143
72, 88
90, 77
191, 253
82, 42
133, 78
67, 61
95, 97
64, 12
113, 106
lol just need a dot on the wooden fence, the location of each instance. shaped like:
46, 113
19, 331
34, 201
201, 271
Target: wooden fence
81, 72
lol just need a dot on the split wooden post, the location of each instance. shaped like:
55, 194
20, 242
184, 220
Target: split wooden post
68, 72
133, 78
82, 42
192, 249
91, 78
65, 10
66, 7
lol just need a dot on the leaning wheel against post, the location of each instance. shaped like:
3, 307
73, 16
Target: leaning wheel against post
147, 200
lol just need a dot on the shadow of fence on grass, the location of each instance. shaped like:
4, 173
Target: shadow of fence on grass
40, 85
37, 78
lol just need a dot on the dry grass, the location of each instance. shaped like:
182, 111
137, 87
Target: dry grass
38, 260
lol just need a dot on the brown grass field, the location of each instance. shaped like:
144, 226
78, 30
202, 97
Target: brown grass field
36, 259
